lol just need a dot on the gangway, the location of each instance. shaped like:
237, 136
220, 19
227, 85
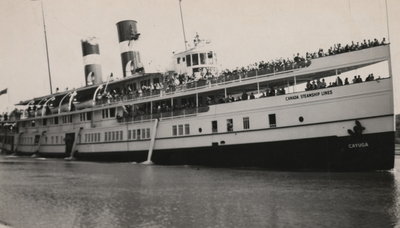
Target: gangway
152, 142
73, 150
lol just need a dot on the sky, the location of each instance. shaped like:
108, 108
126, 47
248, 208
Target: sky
242, 32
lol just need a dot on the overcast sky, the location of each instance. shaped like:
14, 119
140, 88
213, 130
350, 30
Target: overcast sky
242, 31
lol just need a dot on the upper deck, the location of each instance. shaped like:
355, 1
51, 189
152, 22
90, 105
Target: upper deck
314, 69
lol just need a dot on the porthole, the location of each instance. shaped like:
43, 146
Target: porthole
301, 119
200, 130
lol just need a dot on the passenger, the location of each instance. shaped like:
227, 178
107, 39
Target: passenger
383, 41
355, 78
244, 96
323, 83
314, 85
346, 81
339, 81
359, 79
308, 86
252, 96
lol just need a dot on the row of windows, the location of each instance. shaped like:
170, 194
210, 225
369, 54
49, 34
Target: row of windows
246, 123
26, 140
108, 113
193, 60
113, 136
92, 137
138, 134
178, 129
54, 139
86, 116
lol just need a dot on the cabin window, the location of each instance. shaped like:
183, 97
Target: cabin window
246, 123
133, 134
105, 137
229, 125
82, 117
44, 122
148, 133
89, 116
202, 58
98, 137
195, 59
32, 123
56, 120
143, 133
178, 60
113, 136
272, 120
129, 134
138, 134
174, 130
187, 129
121, 136
180, 129
112, 112
57, 139
214, 126
183, 59
188, 62
104, 113
210, 57
52, 139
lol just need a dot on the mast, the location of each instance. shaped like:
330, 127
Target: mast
183, 26
388, 35
47, 49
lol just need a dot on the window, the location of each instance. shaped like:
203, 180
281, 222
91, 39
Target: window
272, 120
210, 57
246, 123
129, 134
56, 139
229, 124
104, 113
56, 120
187, 129
105, 136
195, 59
120, 135
143, 133
113, 136
202, 58
138, 134
148, 133
178, 60
183, 59
44, 122
174, 130
188, 62
180, 129
133, 134
214, 126
98, 137
52, 139
112, 112
82, 117
33, 123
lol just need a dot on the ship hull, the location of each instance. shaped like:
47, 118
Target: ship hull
369, 152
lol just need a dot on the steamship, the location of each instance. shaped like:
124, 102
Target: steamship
229, 120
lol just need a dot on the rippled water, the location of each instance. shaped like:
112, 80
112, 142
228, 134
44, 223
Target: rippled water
57, 193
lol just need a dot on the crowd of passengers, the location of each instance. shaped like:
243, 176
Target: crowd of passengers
320, 84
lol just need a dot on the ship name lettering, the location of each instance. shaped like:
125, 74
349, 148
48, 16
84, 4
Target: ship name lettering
357, 145
292, 97
307, 95
328, 92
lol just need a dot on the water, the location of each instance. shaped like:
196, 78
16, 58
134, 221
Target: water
57, 193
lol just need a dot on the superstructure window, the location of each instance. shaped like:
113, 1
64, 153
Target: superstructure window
56, 120
178, 60
180, 129
188, 61
229, 125
138, 134
195, 59
44, 122
214, 126
187, 129
143, 133
133, 134
272, 120
148, 133
112, 112
246, 123
174, 130
202, 58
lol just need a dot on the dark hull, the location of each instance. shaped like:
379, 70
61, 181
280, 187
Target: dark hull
366, 152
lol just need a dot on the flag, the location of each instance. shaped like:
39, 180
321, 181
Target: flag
4, 91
